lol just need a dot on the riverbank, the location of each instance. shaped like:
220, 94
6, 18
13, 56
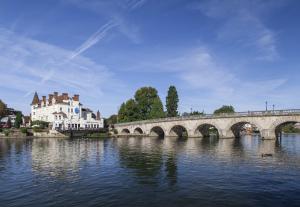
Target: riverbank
30, 133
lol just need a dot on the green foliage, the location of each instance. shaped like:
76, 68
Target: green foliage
157, 110
224, 110
18, 121
6, 132
145, 97
113, 119
290, 128
194, 113
3, 108
172, 102
24, 130
41, 124
132, 111
1, 130
37, 129
146, 105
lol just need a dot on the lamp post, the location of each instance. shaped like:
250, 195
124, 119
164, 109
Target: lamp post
266, 105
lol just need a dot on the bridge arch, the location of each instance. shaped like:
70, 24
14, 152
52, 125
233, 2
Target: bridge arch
157, 131
178, 131
244, 127
138, 130
278, 125
206, 130
125, 131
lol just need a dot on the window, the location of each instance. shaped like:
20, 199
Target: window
68, 110
59, 117
71, 110
55, 116
60, 109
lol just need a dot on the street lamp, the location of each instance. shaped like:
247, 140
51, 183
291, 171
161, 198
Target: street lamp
266, 105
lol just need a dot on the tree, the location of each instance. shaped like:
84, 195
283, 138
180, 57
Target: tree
145, 105
132, 111
145, 98
225, 109
172, 102
121, 113
3, 108
18, 120
111, 120
157, 110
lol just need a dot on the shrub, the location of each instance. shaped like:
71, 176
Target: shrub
41, 124
24, 130
6, 132
37, 129
1, 130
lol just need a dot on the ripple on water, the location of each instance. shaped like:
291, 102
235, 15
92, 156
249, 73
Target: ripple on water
150, 172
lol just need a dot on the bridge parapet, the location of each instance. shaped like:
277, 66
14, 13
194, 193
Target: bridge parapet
286, 112
227, 125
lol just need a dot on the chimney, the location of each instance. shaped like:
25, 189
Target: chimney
76, 97
44, 100
50, 98
65, 96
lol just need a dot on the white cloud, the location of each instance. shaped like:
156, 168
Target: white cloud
243, 24
28, 65
116, 11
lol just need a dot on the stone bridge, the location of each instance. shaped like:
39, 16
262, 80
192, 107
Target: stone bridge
268, 123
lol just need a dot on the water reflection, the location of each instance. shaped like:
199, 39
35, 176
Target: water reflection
112, 172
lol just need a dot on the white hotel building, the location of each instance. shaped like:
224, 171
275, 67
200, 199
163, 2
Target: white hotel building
64, 112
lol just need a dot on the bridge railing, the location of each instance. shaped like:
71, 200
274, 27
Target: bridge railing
222, 115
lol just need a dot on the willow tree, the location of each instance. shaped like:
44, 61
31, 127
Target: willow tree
172, 102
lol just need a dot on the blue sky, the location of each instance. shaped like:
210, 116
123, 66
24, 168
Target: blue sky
215, 52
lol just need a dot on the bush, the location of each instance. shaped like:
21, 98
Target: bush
24, 130
37, 129
41, 124
6, 132
1, 130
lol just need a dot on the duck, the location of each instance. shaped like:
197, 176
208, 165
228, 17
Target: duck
266, 155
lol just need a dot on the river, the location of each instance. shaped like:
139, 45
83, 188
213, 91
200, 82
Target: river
150, 172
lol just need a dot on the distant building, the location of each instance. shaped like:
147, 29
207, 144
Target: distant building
64, 112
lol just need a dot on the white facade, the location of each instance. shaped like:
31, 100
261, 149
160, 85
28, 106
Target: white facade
64, 112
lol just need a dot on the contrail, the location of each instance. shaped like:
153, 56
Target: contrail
136, 4
96, 37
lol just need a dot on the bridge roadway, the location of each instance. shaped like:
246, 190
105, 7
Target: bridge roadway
269, 124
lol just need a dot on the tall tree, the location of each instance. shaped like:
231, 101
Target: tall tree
18, 120
132, 111
145, 97
225, 109
122, 113
172, 102
2, 108
157, 110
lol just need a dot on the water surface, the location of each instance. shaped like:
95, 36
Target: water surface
150, 172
